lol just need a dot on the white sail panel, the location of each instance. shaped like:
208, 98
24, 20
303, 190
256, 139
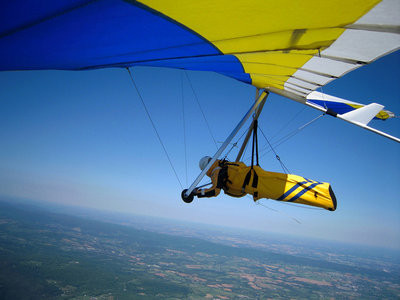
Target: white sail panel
375, 34
312, 78
328, 66
361, 45
385, 13
299, 82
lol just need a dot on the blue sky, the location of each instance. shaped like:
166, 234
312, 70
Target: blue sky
83, 138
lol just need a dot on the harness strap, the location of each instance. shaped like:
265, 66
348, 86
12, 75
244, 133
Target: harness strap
247, 179
224, 162
255, 180
222, 177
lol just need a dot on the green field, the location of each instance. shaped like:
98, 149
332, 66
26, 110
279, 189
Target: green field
45, 255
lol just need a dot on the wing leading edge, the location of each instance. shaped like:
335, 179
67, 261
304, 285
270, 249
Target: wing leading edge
287, 47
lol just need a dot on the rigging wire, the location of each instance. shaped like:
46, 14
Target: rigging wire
290, 121
201, 109
301, 206
291, 134
245, 150
154, 127
275, 210
285, 169
184, 129
235, 144
296, 131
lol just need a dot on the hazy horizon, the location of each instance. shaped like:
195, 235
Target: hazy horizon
57, 251
83, 138
95, 213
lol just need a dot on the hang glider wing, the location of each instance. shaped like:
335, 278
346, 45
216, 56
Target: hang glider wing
288, 47
342, 106
352, 112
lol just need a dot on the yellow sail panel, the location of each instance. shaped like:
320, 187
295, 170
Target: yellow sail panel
266, 69
274, 63
285, 40
231, 19
290, 59
262, 81
243, 27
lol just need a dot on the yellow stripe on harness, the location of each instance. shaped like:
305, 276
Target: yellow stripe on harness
278, 186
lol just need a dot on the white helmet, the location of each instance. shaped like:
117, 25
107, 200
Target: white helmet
204, 162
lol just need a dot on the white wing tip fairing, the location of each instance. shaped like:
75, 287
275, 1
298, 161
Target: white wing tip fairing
352, 112
346, 107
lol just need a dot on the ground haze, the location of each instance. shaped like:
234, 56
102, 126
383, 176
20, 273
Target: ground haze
49, 255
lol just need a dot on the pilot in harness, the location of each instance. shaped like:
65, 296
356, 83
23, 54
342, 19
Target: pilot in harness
237, 179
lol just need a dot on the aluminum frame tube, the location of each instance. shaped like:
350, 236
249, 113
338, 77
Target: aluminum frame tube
246, 139
263, 95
